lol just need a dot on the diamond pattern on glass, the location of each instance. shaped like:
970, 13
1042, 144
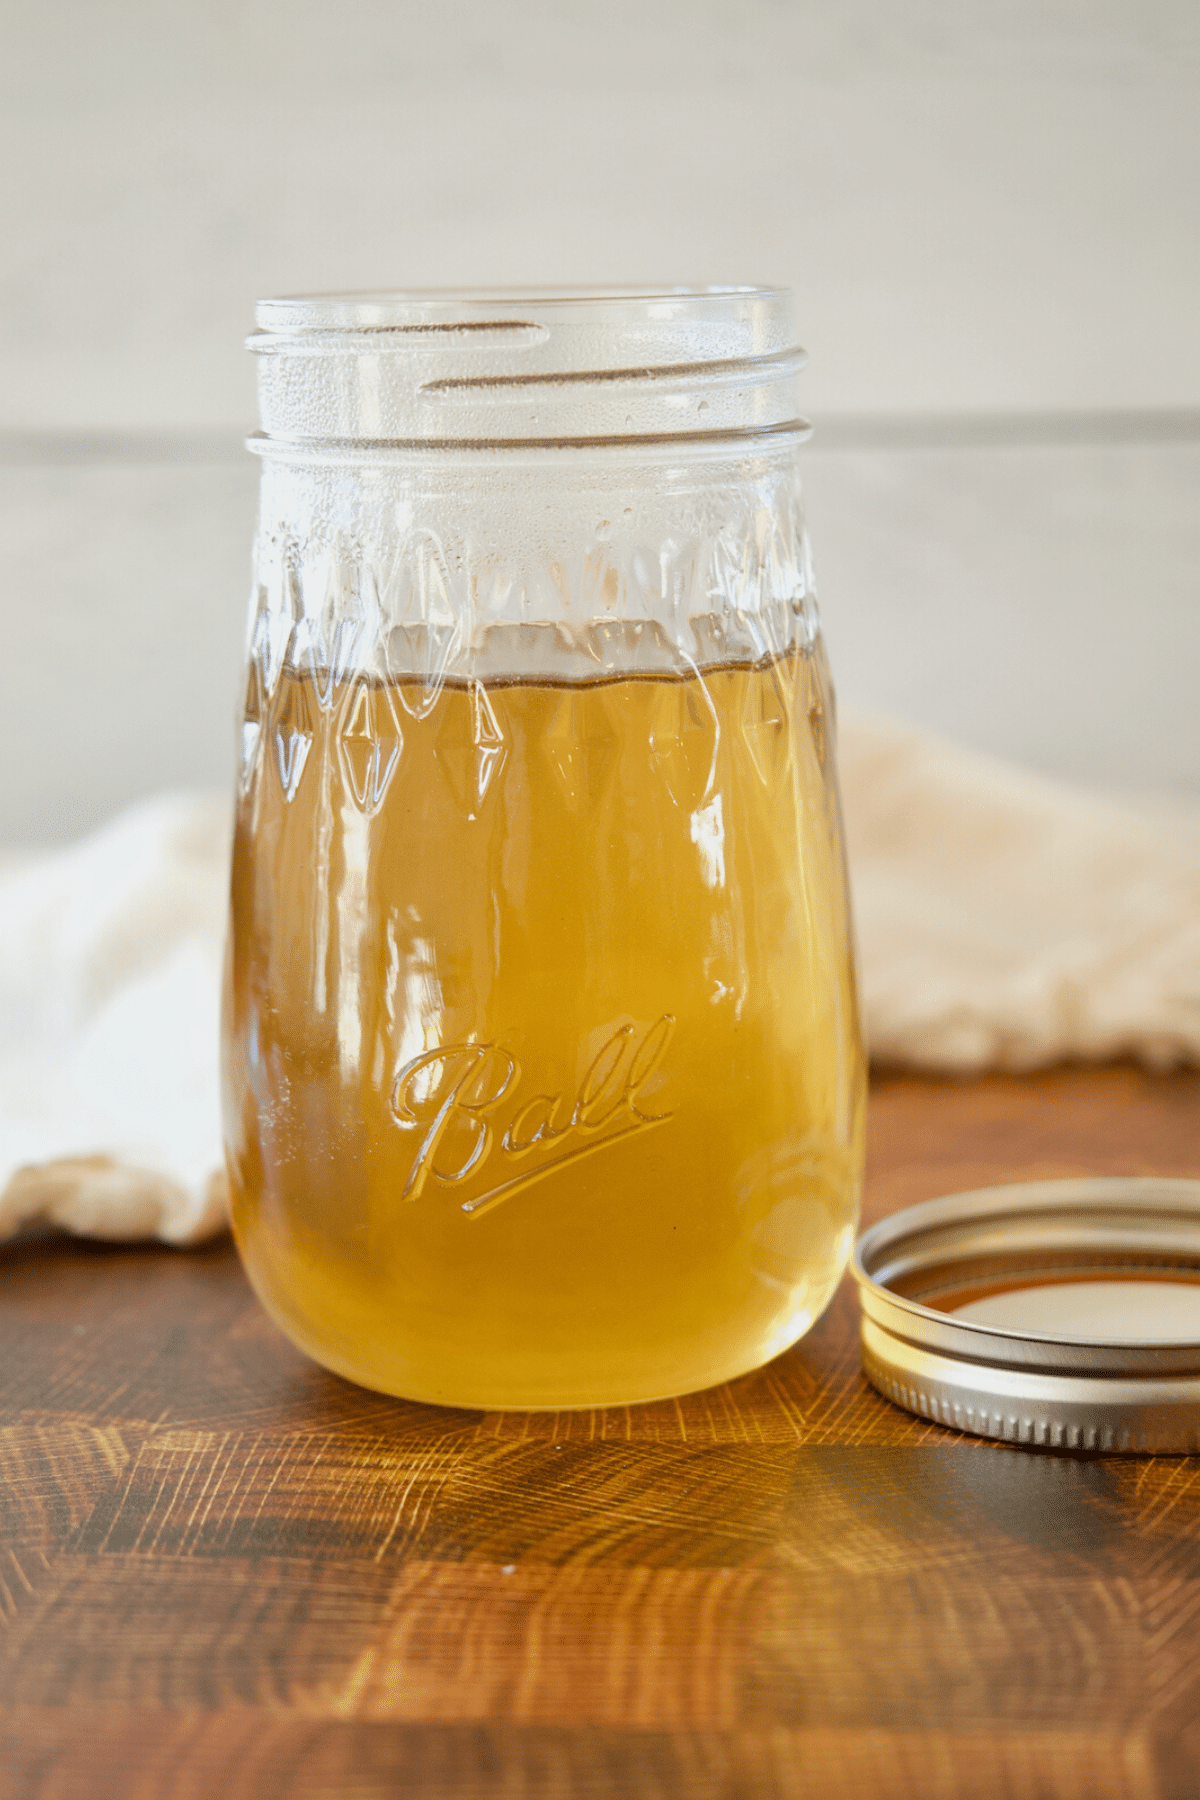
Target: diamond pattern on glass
683, 743
293, 724
766, 727
584, 760
369, 742
472, 768
340, 626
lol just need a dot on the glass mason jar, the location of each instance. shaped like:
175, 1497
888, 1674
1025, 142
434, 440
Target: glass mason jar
543, 1079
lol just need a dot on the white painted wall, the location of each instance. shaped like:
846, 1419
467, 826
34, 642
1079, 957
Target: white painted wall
987, 208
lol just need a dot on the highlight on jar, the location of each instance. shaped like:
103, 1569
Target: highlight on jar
543, 1078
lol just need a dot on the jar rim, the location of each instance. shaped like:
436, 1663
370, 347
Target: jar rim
398, 307
569, 364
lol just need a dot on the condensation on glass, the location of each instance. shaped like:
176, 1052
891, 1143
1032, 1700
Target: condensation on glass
543, 1080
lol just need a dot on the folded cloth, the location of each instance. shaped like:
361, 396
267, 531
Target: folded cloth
1008, 921
1005, 921
109, 990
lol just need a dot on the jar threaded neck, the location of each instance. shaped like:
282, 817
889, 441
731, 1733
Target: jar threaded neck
550, 367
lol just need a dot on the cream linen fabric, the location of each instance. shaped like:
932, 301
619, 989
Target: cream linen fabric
109, 989
1005, 921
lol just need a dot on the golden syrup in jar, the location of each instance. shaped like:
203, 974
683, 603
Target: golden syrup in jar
543, 1074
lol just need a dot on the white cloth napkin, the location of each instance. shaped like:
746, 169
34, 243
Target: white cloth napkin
1005, 921
110, 955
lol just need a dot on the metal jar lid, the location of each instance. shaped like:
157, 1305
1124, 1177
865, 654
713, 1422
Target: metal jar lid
1064, 1314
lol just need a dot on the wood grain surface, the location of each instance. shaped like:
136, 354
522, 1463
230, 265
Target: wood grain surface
224, 1572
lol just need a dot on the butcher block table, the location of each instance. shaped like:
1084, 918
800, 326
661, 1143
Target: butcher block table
224, 1572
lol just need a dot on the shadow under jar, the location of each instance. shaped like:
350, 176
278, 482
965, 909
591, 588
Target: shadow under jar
543, 1080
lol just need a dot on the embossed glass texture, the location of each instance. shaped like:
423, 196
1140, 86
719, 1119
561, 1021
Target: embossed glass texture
543, 1076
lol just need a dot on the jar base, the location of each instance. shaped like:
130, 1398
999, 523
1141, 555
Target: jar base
752, 1357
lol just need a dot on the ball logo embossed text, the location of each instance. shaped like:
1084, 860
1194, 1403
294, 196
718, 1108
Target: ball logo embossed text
465, 1098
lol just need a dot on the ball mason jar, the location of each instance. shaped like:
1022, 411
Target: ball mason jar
543, 1080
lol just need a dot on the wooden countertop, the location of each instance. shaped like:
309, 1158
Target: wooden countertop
226, 1573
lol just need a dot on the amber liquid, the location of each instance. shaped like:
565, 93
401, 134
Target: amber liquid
543, 1079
